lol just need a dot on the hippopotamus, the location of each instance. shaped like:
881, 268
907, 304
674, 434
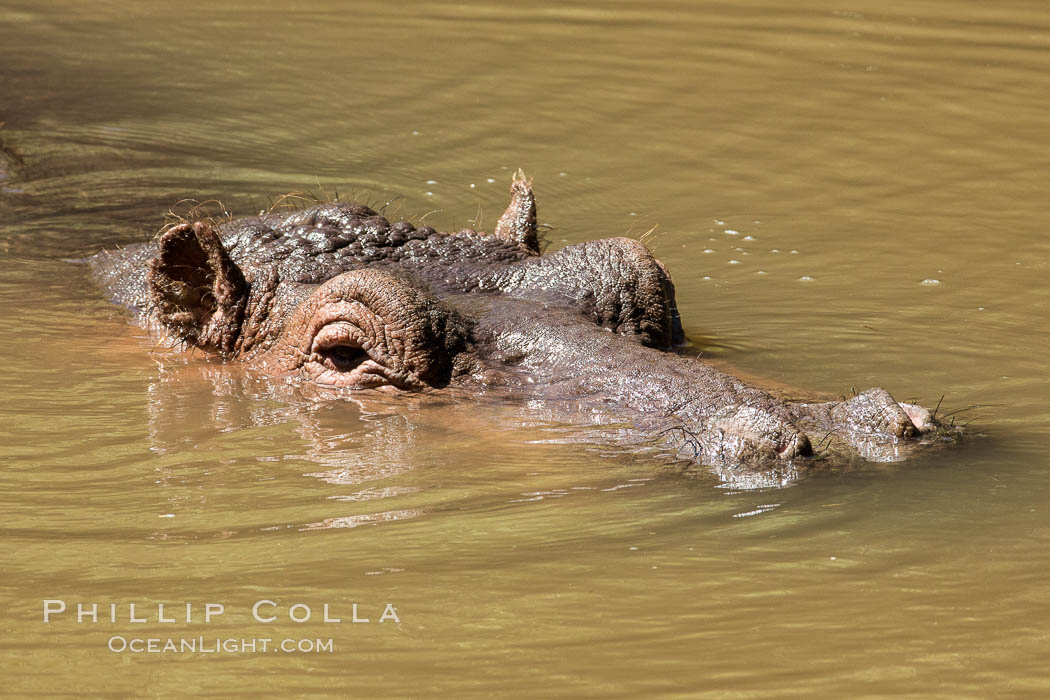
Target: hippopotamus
338, 298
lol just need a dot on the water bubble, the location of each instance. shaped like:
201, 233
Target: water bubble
930, 282
805, 278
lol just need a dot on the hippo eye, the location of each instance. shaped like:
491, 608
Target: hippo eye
367, 329
343, 358
339, 359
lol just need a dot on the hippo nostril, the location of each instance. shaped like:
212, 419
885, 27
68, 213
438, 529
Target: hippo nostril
796, 445
921, 418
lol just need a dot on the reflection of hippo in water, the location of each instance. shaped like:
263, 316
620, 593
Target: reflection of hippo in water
338, 297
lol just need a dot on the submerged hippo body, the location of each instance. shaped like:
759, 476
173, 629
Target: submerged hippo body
338, 297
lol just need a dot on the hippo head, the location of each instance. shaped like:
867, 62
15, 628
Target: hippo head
338, 298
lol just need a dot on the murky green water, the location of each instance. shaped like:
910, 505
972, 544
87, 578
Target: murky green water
845, 194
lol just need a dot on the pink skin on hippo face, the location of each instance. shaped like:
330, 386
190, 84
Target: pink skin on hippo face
339, 298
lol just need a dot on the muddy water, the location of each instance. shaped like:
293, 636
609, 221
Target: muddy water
845, 194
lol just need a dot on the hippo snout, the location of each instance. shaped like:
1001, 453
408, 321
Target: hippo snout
748, 434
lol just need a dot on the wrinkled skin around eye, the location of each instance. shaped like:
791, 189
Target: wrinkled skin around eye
352, 351
367, 329
339, 361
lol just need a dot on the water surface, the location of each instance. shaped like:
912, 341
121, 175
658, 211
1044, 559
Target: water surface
845, 195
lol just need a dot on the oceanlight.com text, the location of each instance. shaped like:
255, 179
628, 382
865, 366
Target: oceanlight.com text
119, 644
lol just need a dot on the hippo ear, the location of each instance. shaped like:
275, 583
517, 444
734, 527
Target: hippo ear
518, 222
198, 292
